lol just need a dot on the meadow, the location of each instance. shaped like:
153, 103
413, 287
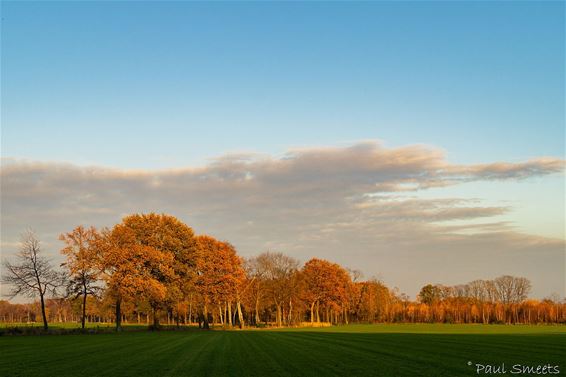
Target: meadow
354, 350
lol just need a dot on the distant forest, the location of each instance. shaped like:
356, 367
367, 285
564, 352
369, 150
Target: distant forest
153, 269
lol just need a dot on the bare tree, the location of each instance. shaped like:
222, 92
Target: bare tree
511, 289
522, 289
32, 274
477, 290
255, 276
278, 270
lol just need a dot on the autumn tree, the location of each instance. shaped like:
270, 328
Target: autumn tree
325, 283
371, 301
166, 234
32, 275
131, 269
82, 264
220, 275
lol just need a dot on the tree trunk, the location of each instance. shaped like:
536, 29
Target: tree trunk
205, 317
230, 313
278, 319
155, 318
118, 314
257, 311
312, 312
190, 309
43, 311
240, 315
84, 307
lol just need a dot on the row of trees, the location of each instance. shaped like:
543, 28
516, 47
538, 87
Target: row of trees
371, 309
152, 268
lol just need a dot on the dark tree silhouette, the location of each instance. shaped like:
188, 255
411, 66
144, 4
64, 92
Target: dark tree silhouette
32, 275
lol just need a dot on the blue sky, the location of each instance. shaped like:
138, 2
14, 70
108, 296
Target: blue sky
431, 134
187, 81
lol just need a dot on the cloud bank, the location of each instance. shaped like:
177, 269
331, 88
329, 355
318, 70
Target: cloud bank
355, 205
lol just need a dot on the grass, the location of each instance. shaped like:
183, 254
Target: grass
356, 350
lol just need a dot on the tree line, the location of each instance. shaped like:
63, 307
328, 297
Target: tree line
152, 268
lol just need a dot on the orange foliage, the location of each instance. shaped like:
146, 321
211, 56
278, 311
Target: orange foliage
220, 271
154, 265
325, 283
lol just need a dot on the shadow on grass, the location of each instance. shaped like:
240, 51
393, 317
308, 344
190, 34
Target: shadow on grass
90, 330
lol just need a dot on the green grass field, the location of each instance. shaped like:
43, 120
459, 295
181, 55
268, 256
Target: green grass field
356, 350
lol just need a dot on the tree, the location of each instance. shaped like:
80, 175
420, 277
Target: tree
82, 264
254, 283
278, 270
511, 289
373, 300
132, 270
325, 283
175, 241
33, 274
220, 275
430, 294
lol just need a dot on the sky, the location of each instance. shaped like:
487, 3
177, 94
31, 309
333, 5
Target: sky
415, 141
